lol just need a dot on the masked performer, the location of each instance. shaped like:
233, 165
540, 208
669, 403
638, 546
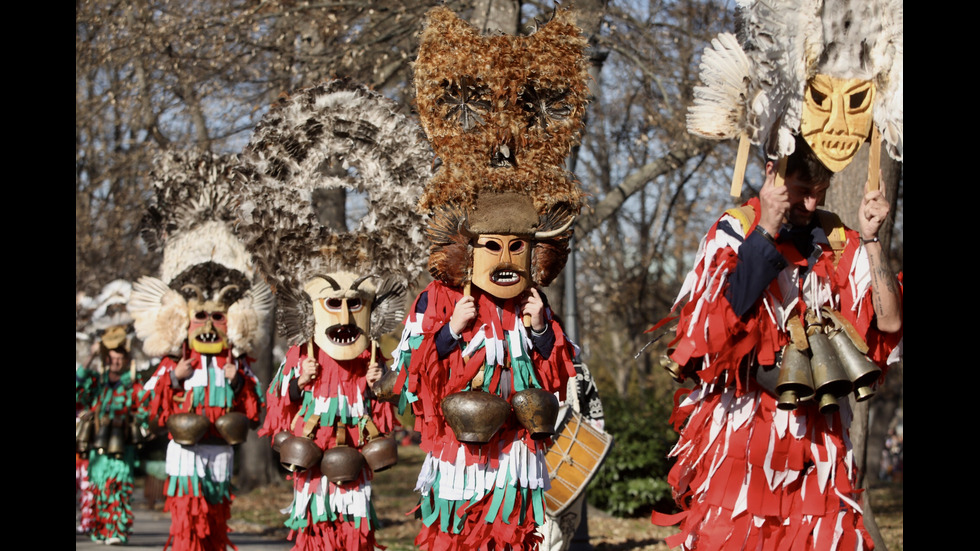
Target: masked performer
338, 292
481, 355
113, 423
787, 311
204, 314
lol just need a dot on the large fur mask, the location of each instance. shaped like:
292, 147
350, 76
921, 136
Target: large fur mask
502, 114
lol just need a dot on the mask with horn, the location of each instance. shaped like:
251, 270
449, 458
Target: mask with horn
209, 294
502, 113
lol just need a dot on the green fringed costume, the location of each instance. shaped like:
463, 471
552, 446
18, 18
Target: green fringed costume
110, 475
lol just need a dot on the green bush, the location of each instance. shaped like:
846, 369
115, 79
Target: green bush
634, 476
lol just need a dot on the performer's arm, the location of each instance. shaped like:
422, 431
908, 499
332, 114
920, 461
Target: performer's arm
759, 262
884, 287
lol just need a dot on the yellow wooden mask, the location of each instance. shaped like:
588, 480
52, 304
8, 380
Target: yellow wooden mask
837, 118
342, 313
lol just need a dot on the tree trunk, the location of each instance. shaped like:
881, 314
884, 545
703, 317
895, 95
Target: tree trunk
844, 198
256, 464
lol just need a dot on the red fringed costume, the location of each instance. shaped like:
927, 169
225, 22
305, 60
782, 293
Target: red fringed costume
749, 475
323, 515
478, 497
199, 477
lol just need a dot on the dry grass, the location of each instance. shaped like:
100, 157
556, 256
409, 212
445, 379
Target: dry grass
258, 512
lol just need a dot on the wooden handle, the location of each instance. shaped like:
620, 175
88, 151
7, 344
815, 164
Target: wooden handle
374, 350
874, 159
780, 172
740, 161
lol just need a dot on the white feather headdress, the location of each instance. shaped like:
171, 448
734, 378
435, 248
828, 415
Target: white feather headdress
755, 83
191, 220
338, 135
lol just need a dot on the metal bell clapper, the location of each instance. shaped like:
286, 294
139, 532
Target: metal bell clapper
299, 453
795, 378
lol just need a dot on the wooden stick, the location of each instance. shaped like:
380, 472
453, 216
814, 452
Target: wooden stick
374, 350
740, 161
874, 159
780, 172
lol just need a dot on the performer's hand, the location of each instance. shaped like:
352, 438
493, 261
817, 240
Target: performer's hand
307, 371
534, 307
230, 371
463, 314
184, 369
374, 373
773, 202
872, 213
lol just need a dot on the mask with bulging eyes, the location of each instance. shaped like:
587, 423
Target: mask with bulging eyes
342, 313
207, 332
837, 118
501, 264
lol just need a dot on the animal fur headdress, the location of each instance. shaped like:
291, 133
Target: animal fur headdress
190, 220
108, 318
757, 82
502, 114
338, 135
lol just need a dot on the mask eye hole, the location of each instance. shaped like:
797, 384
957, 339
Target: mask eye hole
857, 99
333, 304
217, 316
516, 246
354, 304
817, 96
493, 246
201, 316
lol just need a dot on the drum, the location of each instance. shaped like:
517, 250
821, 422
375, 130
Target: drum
576, 455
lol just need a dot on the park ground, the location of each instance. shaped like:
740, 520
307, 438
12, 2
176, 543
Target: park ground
257, 511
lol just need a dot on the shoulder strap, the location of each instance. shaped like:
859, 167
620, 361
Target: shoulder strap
745, 215
834, 228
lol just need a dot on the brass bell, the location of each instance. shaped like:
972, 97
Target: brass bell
233, 427
117, 438
537, 411
859, 368
278, 439
298, 453
187, 429
342, 464
101, 440
84, 427
384, 388
475, 416
380, 453
829, 377
795, 379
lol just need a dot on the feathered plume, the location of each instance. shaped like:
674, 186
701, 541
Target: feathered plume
190, 220
337, 135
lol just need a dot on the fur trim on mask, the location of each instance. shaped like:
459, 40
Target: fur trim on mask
756, 83
160, 316
502, 112
191, 220
338, 135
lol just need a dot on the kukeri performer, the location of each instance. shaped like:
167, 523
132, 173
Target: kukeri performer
115, 423
339, 291
204, 314
482, 356
787, 311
